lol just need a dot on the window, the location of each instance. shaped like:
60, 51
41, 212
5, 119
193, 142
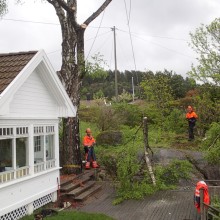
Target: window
5, 154
49, 147
21, 152
38, 149
43, 143
6, 131
37, 143
21, 130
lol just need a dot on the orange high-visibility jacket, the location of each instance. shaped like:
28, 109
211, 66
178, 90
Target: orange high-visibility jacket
88, 141
206, 199
191, 115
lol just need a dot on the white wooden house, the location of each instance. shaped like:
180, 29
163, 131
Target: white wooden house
32, 99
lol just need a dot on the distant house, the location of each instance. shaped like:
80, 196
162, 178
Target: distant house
32, 99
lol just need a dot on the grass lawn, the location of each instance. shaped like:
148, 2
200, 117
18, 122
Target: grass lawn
73, 215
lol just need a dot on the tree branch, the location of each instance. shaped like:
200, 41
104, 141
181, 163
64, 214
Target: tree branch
64, 5
95, 14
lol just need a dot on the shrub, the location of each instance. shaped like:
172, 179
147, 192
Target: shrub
131, 114
171, 174
175, 121
212, 144
109, 138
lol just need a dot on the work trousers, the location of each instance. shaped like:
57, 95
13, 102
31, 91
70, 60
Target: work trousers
89, 151
191, 130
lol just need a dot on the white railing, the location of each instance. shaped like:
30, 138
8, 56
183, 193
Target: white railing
44, 166
39, 167
23, 171
6, 176
9, 175
13, 174
50, 164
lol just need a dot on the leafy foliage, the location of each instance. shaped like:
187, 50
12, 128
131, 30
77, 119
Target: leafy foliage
123, 97
3, 7
208, 110
131, 115
172, 173
106, 83
212, 143
95, 67
130, 185
158, 91
175, 121
206, 42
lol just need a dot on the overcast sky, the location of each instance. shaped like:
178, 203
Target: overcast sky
159, 31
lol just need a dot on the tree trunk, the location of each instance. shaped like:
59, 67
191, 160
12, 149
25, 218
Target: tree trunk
71, 75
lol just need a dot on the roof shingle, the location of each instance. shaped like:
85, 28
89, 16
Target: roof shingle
11, 65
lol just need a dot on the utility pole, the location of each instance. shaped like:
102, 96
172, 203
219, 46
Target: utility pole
116, 75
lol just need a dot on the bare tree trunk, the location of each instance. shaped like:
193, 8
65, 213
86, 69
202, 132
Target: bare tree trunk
71, 75
146, 150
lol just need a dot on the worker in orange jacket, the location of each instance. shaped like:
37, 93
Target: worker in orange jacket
206, 198
89, 143
191, 116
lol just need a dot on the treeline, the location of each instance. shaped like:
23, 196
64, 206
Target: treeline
104, 85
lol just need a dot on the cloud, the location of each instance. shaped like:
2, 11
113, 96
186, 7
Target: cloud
159, 31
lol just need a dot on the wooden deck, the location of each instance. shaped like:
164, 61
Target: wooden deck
164, 205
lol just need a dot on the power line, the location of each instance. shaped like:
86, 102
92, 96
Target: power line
104, 43
132, 47
170, 38
164, 47
129, 13
27, 21
130, 36
57, 24
96, 35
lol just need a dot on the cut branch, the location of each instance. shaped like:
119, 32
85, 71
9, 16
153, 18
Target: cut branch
97, 13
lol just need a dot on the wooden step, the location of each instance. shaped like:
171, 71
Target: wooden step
67, 180
75, 183
81, 189
88, 193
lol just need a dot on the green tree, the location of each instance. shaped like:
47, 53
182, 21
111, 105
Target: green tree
157, 89
206, 42
73, 68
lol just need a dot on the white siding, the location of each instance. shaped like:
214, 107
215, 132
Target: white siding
26, 191
33, 99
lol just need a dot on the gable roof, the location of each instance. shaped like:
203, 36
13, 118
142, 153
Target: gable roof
15, 69
11, 65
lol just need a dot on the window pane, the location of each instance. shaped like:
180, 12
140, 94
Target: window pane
38, 149
50, 147
5, 154
21, 152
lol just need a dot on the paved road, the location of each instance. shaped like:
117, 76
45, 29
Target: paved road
165, 205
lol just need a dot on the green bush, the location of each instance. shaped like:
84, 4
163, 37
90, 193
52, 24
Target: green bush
171, 174
176, 122
130, 187
131, 114
212, 144
109, 138
88, 114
